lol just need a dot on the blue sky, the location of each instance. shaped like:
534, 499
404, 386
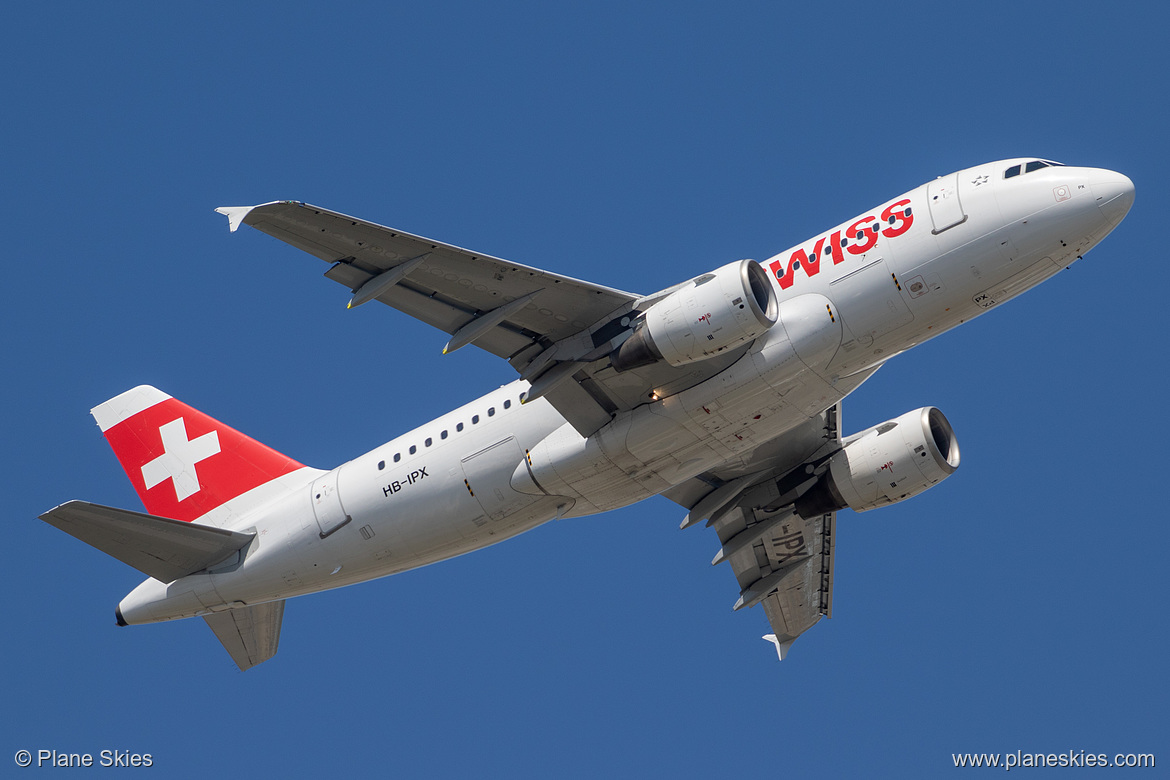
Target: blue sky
1018, 606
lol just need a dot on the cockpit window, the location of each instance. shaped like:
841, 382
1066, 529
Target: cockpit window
1035, 165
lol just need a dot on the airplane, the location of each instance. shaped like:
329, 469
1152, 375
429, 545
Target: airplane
722, 393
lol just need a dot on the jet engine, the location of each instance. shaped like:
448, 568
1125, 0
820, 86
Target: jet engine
710, 314
886, 464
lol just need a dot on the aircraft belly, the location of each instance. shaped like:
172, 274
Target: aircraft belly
565, 464
662, 444
777, 380
430, 525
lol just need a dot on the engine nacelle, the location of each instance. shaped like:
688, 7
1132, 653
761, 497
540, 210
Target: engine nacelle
886, 464
710, 314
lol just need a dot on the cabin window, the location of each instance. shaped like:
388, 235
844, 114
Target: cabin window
381, 465
458, 427
508, 403
413, 449
474, 419
397, 456
491, 411
428, 441
443, 435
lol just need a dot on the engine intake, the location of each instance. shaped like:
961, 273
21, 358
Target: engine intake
708, 315
886, 464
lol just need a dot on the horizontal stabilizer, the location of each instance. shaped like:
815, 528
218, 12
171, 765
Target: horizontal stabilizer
249, 634
157, 546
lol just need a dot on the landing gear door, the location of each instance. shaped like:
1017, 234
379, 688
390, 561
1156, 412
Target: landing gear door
945, 209
327, 504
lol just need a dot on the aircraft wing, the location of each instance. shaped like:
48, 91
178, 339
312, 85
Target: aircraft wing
780, 559
556, 331
249, 634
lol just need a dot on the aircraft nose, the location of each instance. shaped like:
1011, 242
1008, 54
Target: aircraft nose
1114, 194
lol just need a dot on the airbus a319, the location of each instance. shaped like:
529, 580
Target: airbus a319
722, 393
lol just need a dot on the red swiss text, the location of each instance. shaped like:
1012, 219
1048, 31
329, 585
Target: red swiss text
857, 239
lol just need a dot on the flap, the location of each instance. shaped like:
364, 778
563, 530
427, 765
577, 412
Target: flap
157, 546
780, 559
805, 591
449, 286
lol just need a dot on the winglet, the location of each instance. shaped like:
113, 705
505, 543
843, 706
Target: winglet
235, 215
781, 647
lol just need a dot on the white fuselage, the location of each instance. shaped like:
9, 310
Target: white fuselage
850, 298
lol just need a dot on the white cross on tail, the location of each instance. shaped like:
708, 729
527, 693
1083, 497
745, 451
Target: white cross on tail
177, 463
